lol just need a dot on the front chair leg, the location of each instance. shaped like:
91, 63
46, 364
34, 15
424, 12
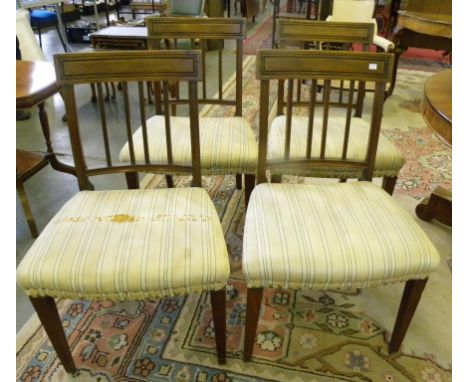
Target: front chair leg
218, 307
409, 302
249, 186
254, 301
48, 315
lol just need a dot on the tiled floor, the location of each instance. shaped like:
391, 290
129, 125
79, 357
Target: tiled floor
48, 190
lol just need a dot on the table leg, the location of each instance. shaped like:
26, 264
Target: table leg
54, 162
438, 206
398, 51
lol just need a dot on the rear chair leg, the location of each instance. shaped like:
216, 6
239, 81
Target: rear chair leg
249, 186
48, 315
409, 302
239, 181
388, 183
254, 301
218, 307
169, 181
132, 180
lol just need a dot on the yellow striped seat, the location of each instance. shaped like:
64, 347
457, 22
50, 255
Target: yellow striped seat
331, 236
128, 245
227, 144
388, 161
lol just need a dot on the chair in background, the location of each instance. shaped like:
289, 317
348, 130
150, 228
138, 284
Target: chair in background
121, 245
30, 49
41, 18
328, 236
228, 144
27, 164
389, 160
359, 11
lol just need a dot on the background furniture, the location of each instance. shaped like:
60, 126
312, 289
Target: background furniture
359, 11
424, 24
389, 160
27, 164
30, 49
228, 144
328, 236
35, 82
43, 19
27, 4
437, 111
119, 245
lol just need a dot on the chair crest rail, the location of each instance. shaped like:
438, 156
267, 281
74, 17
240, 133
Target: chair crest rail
283, 64
75, 68
324, 31
201, 28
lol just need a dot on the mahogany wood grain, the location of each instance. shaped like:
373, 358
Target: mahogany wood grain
47, 312
409, 302
254, 300
35, 82
218, 307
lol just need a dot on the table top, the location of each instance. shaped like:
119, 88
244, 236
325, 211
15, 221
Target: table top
137, 32
35, 82
426, 23
437, 103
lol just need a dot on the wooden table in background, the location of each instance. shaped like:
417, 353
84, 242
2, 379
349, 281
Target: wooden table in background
424, 25
437, 111
35, 82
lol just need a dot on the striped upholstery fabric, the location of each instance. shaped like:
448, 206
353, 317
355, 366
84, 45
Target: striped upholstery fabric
227, 145
331, 236
128, 245
388, 162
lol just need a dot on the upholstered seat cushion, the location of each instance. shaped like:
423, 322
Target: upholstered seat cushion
337, 235
128, 244
40, 16
227, 145
388, 162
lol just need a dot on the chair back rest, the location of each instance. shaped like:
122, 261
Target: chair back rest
311, 66
131, 69
162, 31
312, 34
293, 30
30, 49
